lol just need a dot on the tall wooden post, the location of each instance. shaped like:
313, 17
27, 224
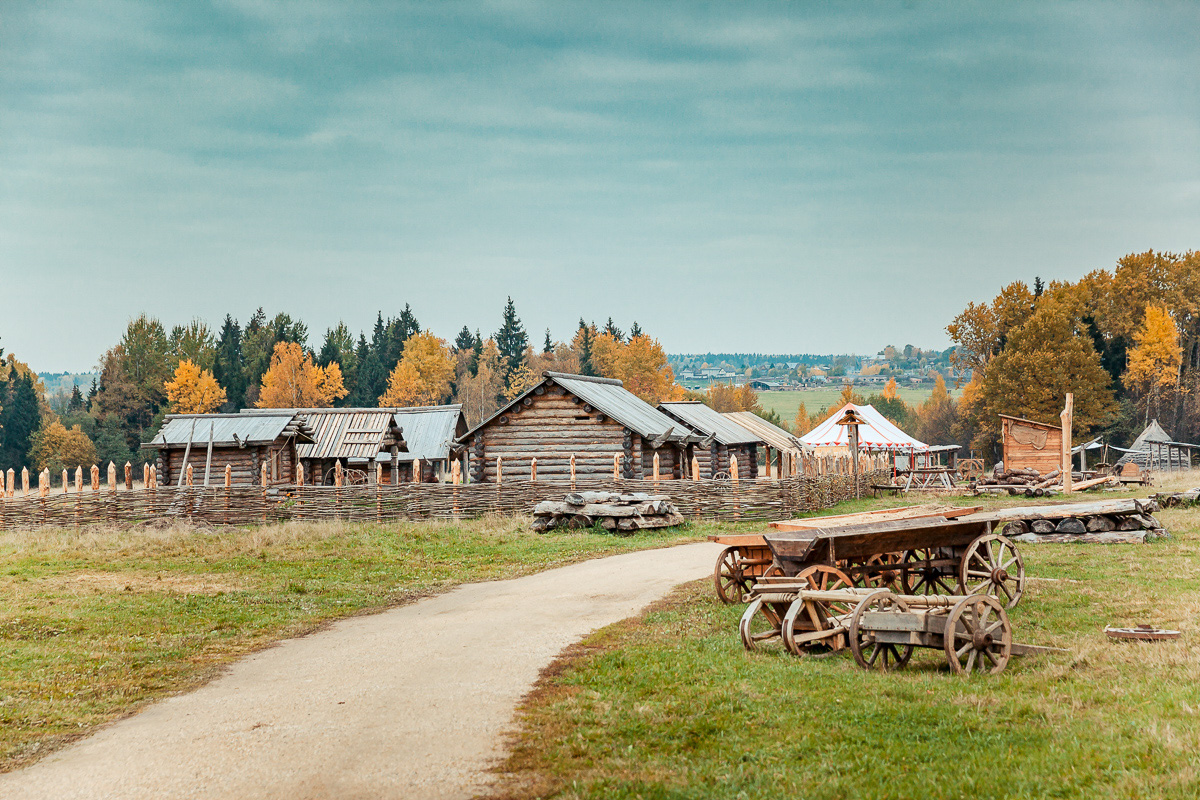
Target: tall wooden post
128, 477
418, 469
112, 476
300, 472
733, 469
616, 466
656, 467
455, 472
95, 478
1067, 416
572, 472
499, 470
228, 475
189, 475
145, 475
153, 476
695, 468
66, 482
25, 480
44, 483
533, 469
264, 480
12, 483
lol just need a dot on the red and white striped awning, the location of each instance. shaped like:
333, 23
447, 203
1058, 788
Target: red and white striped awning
879, 433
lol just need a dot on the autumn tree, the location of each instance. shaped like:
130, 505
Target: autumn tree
194, 390
936, 417
480, 393
1156, 358
641, 365
54, 447
892, 391
522, 379
294, 380
725, 397
423, 375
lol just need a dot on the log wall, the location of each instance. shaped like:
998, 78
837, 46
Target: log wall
246, 464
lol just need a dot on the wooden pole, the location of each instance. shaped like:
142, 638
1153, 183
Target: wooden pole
189, 475
695, 468
854, 456
153, 476
208, 458
499, 470
455, 472
264, 479
572, 472
44, 482
300, 472
1067, 417
112, 476
12, 483
533, 469
616, 466
25, 480
656, 467
95, 478
418, 468
378, 473
66, 483
733, 469
337, 473
128, 477
145, 475
228, 475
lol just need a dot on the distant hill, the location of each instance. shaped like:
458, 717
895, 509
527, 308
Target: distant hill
61, 382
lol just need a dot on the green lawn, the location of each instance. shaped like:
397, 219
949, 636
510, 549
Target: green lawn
95, 623
786, 403
671, 706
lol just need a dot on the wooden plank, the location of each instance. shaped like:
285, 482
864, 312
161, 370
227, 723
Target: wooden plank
1063, 510
740, 539
904, 512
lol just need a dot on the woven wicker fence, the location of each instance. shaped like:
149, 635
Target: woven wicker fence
244, 505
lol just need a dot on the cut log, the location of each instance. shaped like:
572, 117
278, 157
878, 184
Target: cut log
1100, 524
1016, 528
1093, 483
1072, 525
1109, 537
1130, 523
1062, 510
1042, 526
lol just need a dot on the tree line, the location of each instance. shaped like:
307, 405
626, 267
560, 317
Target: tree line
269, 362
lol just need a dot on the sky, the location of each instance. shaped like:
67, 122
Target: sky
766, 177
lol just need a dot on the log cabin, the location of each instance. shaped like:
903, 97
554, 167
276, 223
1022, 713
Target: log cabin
722, 441
783, 454
597, 420
431, 434
244, 442
355, 437
1031, 445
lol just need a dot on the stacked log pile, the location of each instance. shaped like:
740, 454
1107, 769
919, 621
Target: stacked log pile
1177, 499
613, 511
1103, 521
1031, 483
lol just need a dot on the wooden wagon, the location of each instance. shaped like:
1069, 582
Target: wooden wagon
747, 556
881, 628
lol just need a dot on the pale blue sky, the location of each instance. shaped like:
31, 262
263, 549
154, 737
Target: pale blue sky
778, 177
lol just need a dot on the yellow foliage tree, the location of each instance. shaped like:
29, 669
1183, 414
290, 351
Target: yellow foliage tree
193, 390
521, 379
892, 391
848, 395
1156, 358
295, 381
480, 393
725, 397
423, 375
641, 365
56, 448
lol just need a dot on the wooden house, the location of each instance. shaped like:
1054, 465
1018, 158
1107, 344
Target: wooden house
243, 442
783, 452
431, 434
354, 437
596, 420
722, 440
1031, 445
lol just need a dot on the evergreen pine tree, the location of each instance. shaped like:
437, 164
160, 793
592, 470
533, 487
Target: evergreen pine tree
229, 366
612, 330
477, 351
635, 331
585, 349
76, 401
464, 341
511, 340
548, 346
379, 336
91, 398
18, 419
371, 379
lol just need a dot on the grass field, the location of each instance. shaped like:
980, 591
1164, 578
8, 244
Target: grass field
786, 403
671, 706
95, 623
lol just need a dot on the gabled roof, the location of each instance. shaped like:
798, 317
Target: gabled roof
350, 433
430, 431
1139, 451
611, 398
773, 435
703, 420
264, 427
879, 433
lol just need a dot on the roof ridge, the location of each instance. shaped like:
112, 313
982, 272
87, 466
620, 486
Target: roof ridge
584, 378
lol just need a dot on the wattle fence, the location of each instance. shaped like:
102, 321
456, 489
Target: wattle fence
248, 505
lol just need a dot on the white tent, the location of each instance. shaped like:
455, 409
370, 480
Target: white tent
878, 434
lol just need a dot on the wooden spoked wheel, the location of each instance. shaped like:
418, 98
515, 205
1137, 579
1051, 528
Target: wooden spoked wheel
993, 566
876, 578
919, 574
731, 581
978, 636
813, 627
760, 623
872, 654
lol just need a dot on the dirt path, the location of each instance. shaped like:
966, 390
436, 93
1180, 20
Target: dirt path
409, 703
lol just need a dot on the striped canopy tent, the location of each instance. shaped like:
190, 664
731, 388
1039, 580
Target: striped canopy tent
878, 434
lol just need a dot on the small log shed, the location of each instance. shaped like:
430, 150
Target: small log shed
722, 440
783, 452
355, 437
1031, 445
595, 419
431, 434
244, 442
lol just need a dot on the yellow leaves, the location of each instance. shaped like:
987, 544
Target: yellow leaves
193, 390
55, 448
522, 378
641, 365
295, 381
848, 395
891, 391
423, 375
1155, 360
724, 397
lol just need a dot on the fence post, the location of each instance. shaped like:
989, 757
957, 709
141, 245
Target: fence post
25, 480
228, 485
455, 480
145, 475
3, 485
44, 482
128, 477
263, 478
153, 476
499, 470
572, 472
656, 467
616, 466
695, 468
733, 470
95, 478
378, 492
112, 476
66, 482
533, 470
300, 473
189, 475
12, 483
418, 468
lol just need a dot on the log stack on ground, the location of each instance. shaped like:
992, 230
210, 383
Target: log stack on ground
1102, 521
1029, 482
613, 511
1177, 499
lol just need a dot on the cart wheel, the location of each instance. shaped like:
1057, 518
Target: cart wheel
773, 571
881, 579
760, 623
809, 616
919, 576
993, 566
728, 577
978, 636
869, 653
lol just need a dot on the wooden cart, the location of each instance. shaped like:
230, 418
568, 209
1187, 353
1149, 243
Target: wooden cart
881, 628
747, 556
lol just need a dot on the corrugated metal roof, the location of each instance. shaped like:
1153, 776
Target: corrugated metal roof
611, 398
250, 429
704, 420
350, 433
430, 431
770, 433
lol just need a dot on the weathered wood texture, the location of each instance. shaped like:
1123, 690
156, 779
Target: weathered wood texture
240, 505
245, 463
1031, 445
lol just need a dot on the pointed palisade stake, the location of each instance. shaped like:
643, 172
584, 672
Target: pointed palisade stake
66, 482
299, 473
572, 471
656, 467
25, 480
112, 476
616, 466
153, 476
417, 469
95, 478
499, 470
733, 469
228, 475
128, 477
533, 469
79, 480
189, 473
12, 483
456, 472
145, 475
695, 468
263, 472
378, 474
